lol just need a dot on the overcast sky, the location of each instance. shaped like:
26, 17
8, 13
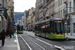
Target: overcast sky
22, 5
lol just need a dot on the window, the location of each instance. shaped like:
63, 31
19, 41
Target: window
61, 13
47, 1
70, 6
74, 4
52, 26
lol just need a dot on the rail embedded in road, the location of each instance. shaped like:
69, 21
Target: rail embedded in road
26, 43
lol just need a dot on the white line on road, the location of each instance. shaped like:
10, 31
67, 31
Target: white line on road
38, 45
26, 43
51, 44
45, 42
59, 47
17, 43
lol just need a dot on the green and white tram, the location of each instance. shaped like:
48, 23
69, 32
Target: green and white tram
51, 28
19, 29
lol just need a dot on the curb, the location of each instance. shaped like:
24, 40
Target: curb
17, 42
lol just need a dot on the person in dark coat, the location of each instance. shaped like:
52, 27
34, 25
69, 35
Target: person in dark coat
3, 33
10, 33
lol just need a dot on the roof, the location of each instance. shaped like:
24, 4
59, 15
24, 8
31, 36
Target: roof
42, 21
48, 20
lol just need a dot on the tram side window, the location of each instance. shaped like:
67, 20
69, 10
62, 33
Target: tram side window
43, 28
36, 28
39, 27
47, 28
52, 26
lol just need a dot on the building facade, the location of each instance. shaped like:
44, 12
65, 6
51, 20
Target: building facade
26, 14
5, 11
34, 19
70, 18
37, 10
30, 18
45, 9
49, 9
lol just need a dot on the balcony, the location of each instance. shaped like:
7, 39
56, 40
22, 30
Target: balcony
40, 5
65, 1
65, 11
3, 12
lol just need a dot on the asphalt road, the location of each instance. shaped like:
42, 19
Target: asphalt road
32, 43
39, 43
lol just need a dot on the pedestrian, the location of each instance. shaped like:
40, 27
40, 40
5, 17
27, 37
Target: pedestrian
10, 33
3, 33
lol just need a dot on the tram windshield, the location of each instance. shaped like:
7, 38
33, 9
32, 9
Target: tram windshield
59, 26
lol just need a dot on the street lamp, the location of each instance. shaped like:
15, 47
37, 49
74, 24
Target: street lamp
65, 16
67, 21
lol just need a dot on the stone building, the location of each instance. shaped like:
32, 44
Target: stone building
45, 9
49, 9
69, 14
26, 14
33, 20
30, 18
37, 10
6, 13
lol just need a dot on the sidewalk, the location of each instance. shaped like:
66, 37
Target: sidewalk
10, 44
70, 37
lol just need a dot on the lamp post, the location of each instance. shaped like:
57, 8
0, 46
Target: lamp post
65, 17
67, 21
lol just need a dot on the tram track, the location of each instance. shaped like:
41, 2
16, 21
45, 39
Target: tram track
30, 48
43, 45
34, 44
26, 43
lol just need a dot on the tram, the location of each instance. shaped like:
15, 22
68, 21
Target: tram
19, 29
52, 28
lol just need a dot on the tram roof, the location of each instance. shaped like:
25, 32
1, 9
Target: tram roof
42, 21
49, 20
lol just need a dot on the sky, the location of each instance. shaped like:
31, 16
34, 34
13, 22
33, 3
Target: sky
22, 5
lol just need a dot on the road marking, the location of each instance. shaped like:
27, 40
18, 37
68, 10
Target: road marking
51, 44
59, 47
45, 42
38, 45
17, 42
26, 43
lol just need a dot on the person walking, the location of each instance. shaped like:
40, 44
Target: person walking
3, 33
10, 33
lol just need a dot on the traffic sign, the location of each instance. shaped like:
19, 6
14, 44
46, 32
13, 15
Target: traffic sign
13, 23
